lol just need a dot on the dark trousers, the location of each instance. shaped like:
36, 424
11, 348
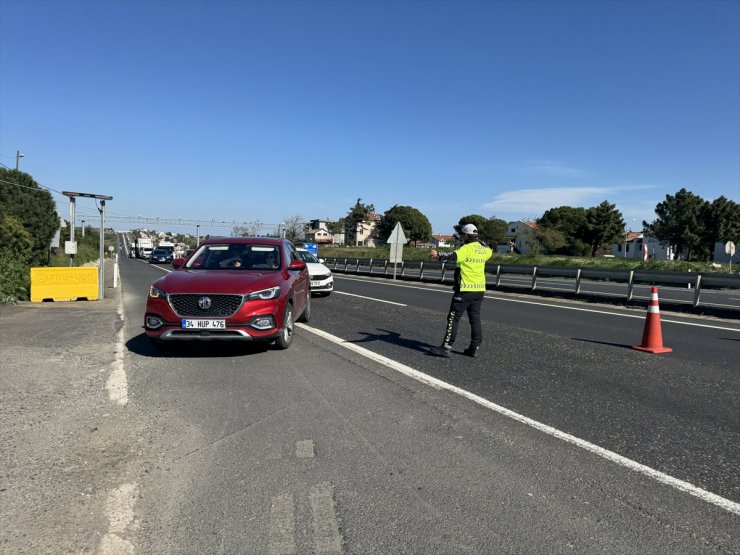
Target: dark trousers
461, 303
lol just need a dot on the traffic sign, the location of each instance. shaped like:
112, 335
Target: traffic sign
730, 248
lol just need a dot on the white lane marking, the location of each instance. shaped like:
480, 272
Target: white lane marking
368, 298
119, 509
117, 384
304, 449
326, 537
680, 485
281, 541
496, 298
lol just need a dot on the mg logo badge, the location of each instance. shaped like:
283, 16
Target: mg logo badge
204, 303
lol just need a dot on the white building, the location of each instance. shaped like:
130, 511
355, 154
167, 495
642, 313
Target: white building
521, 236
634, 243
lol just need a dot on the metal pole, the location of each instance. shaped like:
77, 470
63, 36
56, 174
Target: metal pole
197, 235
18, 156
101, 251
72, 228
83, 228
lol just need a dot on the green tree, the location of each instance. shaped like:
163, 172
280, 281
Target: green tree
491, 231
722, 222
356, 215
605, 227
337, 227
571, 223
415, 225
680, 222
15, 237
550, 239
21, 197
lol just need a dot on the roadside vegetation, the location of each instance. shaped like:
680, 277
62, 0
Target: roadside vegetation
28, 222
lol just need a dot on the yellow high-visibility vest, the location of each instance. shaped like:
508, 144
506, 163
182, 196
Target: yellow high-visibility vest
471, 259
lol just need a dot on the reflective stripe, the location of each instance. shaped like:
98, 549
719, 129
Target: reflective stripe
653, 309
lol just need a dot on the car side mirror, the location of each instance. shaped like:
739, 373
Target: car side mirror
177, 263
322, 260
297, 265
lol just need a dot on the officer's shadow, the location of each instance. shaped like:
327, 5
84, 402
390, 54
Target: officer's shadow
394, 338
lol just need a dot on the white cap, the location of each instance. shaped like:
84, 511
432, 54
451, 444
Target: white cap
470, 229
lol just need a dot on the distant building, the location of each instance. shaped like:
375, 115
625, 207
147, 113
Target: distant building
443, 241
521, 236
317, 231
721, 256
366, 233
634, 243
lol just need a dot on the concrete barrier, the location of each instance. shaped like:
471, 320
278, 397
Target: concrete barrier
64, 284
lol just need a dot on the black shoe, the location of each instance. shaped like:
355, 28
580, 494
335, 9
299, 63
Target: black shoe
471, 352
441, 351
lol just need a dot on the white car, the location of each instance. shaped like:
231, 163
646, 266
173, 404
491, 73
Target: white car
322, 282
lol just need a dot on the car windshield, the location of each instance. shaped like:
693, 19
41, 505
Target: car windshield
235, 256
308, 257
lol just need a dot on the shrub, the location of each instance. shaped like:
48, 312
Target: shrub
15, 278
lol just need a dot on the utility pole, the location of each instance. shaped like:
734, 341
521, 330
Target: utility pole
18, 157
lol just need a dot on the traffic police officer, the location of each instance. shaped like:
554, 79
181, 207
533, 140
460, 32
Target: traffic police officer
470, 286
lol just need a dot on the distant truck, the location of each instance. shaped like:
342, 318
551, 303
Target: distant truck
144, 247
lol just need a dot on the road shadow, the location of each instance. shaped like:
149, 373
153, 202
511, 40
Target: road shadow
621, 345
394, 338
142, 345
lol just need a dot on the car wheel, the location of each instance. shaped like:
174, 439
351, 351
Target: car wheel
286, 334
306, 315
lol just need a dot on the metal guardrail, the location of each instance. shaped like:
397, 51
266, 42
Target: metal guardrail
419, 270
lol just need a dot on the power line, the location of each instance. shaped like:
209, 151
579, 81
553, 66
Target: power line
150, 220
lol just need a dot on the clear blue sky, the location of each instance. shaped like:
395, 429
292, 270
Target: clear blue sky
245, 111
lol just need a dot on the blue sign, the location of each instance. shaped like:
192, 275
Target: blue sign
313, 248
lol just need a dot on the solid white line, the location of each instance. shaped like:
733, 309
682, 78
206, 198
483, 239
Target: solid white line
368, 298
680, 485
563, 307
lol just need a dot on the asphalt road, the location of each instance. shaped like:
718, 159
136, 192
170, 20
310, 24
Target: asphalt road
326, 449
559, 439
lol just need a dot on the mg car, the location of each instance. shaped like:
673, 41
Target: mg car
231, 289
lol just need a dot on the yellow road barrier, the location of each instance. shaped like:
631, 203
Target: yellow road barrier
64, 284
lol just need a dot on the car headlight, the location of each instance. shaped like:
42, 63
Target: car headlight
264, 294
156, 293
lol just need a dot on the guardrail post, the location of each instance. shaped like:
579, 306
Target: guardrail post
498, 275
346, 264
444, 271
578, 281
403, 268
421, 270
357, 267
371, 265
630, 285
697, 290
534, 278
385, 267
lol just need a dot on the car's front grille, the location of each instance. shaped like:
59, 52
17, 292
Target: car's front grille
321, 276
216, 306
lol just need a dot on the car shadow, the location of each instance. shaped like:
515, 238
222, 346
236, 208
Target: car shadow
142, 345
394, 338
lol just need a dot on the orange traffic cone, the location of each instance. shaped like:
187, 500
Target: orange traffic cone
652, 337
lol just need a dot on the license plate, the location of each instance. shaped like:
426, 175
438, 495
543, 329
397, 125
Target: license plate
204, 324
315, 284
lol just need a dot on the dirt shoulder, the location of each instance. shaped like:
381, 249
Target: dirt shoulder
64, 443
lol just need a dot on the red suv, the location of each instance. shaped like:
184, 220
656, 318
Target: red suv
231, 289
